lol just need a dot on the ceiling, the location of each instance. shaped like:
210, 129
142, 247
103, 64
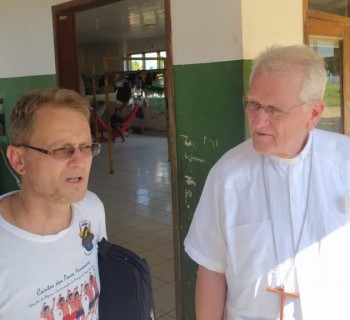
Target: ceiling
121, 21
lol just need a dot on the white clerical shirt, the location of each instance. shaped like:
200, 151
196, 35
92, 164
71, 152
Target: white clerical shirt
232, 230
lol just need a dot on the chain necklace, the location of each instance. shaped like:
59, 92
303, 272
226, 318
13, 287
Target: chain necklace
25, 226
267, 195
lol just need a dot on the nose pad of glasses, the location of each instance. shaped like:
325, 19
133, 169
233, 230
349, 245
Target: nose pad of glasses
77, 152
265, 111
262, 117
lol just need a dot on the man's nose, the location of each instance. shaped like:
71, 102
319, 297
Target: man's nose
261, 118
78, 158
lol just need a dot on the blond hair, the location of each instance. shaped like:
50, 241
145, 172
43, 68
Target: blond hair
22, 117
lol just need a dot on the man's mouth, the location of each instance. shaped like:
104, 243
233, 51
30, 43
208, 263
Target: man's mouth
261, 133
75, 179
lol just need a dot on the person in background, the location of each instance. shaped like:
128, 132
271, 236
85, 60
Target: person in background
123, 93
271, 231
117, 122
140, 99
49, 229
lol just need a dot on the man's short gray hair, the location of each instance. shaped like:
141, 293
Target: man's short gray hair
295, 59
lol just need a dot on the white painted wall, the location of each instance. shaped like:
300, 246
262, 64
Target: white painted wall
206, 31
269, 22
26, 34
214, 31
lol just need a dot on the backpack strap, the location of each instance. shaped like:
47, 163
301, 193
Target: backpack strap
103, 247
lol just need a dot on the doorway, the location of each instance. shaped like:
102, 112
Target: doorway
68, 75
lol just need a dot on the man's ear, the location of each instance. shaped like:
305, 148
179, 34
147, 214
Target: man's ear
317, 108
15, 157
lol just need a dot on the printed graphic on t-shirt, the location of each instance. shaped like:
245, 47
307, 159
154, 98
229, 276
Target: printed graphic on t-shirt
74, 296
86, 235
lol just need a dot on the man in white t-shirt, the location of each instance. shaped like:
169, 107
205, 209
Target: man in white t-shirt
272, 229
49, 229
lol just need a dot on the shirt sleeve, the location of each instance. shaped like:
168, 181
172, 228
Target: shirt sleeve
205, 242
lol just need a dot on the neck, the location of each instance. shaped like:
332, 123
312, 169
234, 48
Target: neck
297, 151
41, 218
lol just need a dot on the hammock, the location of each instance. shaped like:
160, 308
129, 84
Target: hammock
103, 126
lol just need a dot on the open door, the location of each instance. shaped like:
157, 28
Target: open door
66, 55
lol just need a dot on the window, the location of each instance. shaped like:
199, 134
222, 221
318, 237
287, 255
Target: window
136, 62
331, 50
151, 64
338, 7
144, 61
162, 54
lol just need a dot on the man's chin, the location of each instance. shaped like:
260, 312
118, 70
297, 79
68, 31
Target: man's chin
78, 197
71, 198
262, 147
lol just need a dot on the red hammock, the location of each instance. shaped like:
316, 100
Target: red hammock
103, 126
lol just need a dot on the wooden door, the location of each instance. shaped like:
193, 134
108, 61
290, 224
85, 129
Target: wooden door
330, 36
66, 54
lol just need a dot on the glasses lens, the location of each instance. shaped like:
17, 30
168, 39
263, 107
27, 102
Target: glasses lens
252, 107
96, 148
67, 152
62, 153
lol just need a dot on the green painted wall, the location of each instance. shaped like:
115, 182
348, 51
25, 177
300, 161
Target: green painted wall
12, 89
209, 121
247, 68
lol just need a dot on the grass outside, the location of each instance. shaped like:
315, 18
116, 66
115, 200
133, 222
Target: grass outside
332, 95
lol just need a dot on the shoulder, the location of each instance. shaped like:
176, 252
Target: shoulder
332, 146
4, 206
332, 151
5, 203
7, 195
236, 162
90, 203
333, 136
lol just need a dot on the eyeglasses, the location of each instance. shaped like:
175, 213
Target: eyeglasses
64, 153
253, 108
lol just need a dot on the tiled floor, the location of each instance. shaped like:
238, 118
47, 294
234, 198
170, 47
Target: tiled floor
137, 199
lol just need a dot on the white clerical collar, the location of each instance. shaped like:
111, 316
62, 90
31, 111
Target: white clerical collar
297, 158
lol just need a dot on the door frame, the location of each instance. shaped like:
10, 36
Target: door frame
320, 24
81, 5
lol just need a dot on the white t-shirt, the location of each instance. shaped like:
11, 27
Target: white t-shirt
52, 277
231, 231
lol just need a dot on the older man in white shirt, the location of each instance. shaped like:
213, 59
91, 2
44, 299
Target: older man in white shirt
271, 230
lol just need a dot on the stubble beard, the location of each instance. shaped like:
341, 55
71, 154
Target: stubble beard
55, 196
